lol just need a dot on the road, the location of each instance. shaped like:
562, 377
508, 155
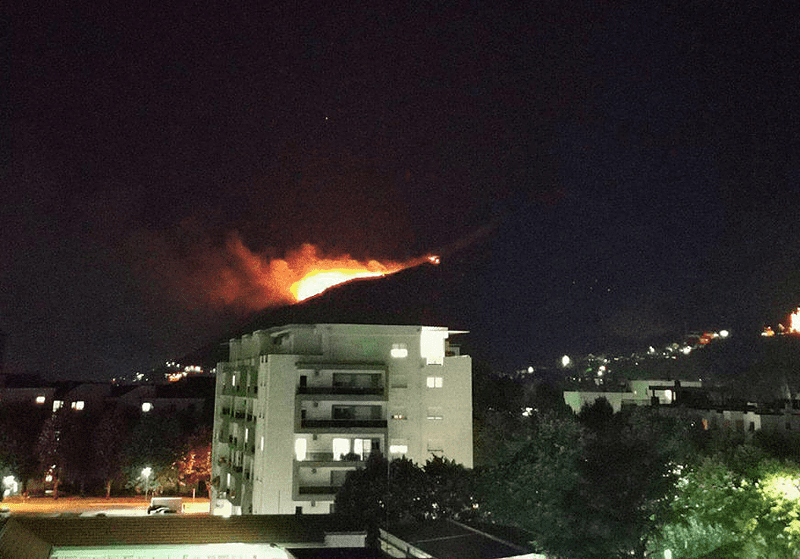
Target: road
90, 506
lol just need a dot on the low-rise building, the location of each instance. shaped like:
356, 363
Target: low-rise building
170, 537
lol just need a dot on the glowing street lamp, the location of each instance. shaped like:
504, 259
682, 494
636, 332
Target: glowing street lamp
146, 475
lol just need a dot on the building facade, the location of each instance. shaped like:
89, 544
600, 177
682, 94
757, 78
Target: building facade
299, 406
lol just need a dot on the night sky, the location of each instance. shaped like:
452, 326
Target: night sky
632, 169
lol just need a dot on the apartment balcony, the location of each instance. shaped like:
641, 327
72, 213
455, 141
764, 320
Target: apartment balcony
237, 390
341, 390
327, 459
328, 491
343, 424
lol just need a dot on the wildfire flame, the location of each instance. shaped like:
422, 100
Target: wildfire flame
318, 280
794, 322
257, 281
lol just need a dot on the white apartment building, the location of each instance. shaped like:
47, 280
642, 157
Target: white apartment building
299, 406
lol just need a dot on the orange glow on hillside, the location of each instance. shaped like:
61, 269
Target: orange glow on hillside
257, 281
318, 281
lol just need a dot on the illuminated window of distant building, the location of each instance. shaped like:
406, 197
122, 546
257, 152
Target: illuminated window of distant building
300, 447
434, 382
57, 405
146, 407
40, 400
233, 379
399, 351
340, 447
246, 434
435, 413
399, 413
77, 405
398, 446
262, 444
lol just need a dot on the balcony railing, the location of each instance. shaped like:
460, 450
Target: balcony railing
328, 457
353, 390
342, 423
318, 489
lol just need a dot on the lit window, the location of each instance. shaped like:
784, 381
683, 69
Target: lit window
432, 341
233, 380
340, 447
246, 434
399, 351
398, 446
57, 404
262, 444
399, 414
300, 447
435, 413
77, 405
434, 382
146, 406
40, 400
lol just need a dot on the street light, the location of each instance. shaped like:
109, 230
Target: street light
146, 475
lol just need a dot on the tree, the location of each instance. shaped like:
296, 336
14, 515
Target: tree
533, 489
155, 442
51, 447
18, 439
730, 508
626, 474
109, 437
595, 485
194, 466
453, 489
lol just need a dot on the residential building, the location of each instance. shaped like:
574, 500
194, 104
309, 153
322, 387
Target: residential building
299, 406
448, 539
638, 393
168, 537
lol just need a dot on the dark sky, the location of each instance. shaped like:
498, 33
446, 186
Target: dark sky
638, 164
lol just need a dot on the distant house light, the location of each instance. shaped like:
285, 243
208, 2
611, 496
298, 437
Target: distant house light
434, 382
40, 399
77, 405
147, 406
399, 351
57, 405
